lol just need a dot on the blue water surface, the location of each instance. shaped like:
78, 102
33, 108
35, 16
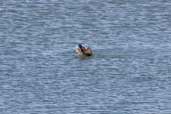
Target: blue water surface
130, 72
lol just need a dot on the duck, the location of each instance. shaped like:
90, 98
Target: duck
83, 50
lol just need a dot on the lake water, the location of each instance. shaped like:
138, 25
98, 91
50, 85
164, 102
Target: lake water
130, 72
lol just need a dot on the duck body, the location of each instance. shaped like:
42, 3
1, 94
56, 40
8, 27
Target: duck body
83, 51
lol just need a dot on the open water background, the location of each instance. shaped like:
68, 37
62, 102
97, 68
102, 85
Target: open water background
130, 72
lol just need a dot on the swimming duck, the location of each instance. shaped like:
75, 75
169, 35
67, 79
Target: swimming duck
83, 50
